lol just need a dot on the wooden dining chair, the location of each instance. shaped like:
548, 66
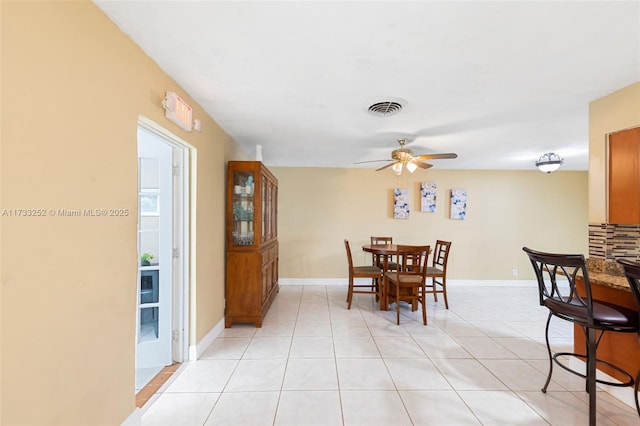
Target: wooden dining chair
407, 283
366, 271
438, 271
377, 258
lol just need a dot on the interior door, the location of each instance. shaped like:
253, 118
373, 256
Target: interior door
155, 252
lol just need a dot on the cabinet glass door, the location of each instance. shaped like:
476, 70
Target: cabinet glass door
274, 211
243, 208
263, 219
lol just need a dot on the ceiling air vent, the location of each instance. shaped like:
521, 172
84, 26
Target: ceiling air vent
385, 108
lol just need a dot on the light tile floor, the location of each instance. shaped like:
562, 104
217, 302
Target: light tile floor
482, 362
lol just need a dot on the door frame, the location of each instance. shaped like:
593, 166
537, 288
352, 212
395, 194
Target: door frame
182, 180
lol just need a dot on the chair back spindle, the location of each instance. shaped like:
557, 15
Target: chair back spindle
556, 275
376, 259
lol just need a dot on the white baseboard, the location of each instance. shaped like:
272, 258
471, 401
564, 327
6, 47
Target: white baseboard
490, 283
450, 282
195, 351
134, 419
314, 281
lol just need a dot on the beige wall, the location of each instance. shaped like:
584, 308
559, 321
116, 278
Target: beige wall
320, 207
617, 111
73, 87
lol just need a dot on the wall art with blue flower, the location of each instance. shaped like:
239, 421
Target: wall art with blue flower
401, 203
458, 204
428, 197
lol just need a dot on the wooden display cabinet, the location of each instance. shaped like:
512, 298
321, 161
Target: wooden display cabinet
252, 242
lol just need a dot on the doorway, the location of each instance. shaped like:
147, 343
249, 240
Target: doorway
162, 232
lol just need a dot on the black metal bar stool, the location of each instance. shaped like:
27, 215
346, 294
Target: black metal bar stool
632, 272
557, 275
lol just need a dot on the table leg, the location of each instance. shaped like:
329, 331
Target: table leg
384, 302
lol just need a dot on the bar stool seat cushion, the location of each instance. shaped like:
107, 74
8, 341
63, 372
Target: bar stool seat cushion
605, 314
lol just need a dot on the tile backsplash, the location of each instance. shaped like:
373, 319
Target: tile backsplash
609, 242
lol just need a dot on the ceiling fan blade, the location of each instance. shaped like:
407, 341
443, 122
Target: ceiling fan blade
448, 155
370, 161
387, 165
422, 165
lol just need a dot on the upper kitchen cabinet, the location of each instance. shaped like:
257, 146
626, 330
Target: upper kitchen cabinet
624, 177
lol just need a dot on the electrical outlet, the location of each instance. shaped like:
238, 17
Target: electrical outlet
515, 272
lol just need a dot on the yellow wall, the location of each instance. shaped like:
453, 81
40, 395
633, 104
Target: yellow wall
617, 111
320, 207
73, 87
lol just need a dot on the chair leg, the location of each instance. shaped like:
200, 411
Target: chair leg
376, 287
635, 392
435, 289
424, 309
591, 374
586, 358
444, 292
384, 295
546, 335
398, 305
350, 293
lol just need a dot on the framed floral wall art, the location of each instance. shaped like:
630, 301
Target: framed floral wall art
428, 197
401, 203
458, 204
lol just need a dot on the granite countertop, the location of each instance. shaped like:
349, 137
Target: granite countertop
607, 273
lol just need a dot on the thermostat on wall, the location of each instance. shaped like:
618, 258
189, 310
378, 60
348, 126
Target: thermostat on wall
178, 111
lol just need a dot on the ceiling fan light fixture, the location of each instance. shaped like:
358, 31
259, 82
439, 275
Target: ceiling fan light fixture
549, 162
397, 169
405, 158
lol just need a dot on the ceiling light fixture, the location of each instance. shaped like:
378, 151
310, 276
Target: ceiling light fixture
398, 166
549, 162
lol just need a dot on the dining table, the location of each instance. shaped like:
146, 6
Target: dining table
385, 251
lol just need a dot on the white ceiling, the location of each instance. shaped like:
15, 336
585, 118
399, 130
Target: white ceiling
499, 83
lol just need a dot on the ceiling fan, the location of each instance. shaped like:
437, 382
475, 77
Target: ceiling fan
404, 158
